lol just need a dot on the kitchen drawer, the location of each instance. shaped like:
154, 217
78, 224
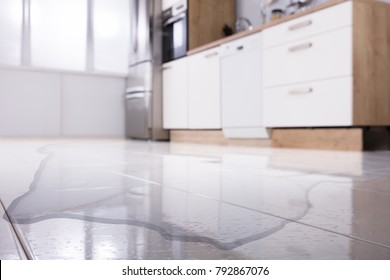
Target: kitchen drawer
243, 44
316, 104
325, 20
318, 57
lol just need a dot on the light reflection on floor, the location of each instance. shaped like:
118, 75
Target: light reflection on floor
114, 199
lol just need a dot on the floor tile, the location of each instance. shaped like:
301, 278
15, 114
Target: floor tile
85, 199
71, 237
10, 248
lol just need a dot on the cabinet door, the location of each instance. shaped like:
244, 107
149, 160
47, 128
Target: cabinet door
242, 89
204, 99
325, 103
313, 58
336, 17
175, 94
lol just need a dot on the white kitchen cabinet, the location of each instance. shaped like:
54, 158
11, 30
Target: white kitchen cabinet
308, 82
319, 103
241, 88
175, 94
204, 95
313, 58
339, 16
191, 92
328, 69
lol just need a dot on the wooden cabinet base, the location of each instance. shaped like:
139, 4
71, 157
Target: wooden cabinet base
336, 139
346, 139
214, 137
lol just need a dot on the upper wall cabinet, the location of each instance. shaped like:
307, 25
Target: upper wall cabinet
206, 19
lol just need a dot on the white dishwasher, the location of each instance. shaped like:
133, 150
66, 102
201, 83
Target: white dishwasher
241, 88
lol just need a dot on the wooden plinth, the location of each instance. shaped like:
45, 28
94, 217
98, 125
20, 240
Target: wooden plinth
336, 139
344, 139
214, 137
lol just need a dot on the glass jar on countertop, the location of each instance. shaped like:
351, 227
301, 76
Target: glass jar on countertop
276, 14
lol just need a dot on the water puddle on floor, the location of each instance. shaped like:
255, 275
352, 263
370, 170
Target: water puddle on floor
182, 198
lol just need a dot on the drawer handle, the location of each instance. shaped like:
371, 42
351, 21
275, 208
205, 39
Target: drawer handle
211, 54
300, 25
301, 91
301, 47
166, 68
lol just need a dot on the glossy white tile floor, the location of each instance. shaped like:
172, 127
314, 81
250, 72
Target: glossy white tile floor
114, 199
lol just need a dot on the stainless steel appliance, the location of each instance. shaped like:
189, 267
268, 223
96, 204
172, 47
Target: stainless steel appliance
175, 39
144, 83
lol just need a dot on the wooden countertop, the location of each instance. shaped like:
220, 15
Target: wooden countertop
273, 23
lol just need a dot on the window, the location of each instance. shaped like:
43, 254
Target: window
111, 35
11, 14
59, 34
76, 35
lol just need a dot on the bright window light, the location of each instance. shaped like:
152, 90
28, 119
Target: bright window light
111, 35
59, 34
11, 14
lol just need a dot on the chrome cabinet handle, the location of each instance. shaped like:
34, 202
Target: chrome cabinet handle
301, 91
135, 96
174, 19
300, 25
301, 47
211, 54
135, 25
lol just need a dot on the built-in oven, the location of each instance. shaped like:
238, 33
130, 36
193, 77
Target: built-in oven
175, 39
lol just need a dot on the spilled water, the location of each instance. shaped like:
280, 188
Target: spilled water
112, 186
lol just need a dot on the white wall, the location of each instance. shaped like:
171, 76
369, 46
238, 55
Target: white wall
29, 103
92, 106
37, 103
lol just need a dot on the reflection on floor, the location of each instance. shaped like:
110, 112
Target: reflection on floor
114, 199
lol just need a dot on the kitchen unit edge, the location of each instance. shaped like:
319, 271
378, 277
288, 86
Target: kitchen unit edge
371, 64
